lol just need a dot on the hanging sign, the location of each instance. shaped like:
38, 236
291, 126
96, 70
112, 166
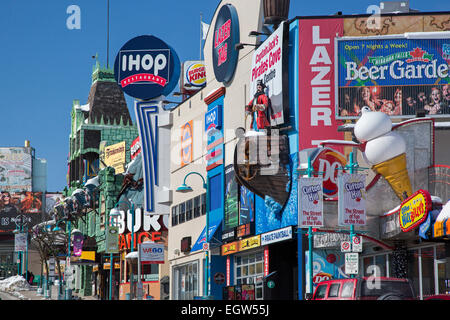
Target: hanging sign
351, 203
151, 252
226, 36
310, 202
414, 210
146, 67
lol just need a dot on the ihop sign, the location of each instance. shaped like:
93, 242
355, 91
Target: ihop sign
213, 118
146, 68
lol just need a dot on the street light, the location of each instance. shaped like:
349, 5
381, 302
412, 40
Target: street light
184, 188
114, 215
19, 229
115, 212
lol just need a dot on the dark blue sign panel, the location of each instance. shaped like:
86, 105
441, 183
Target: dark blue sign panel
213, 118
146, 68
397, 76
226, 36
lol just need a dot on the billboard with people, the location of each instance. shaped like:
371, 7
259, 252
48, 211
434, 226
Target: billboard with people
395, 75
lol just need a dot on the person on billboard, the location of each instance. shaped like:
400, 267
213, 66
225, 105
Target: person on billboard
7, 204
261, 106
365, 99
435, 104
446, 95
393, 108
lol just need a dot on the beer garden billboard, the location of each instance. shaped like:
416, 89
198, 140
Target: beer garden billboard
393, 74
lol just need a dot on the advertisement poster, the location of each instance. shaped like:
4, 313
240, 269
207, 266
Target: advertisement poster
326, 265
20, 242
77, 241
267, 66
246, 206
231, 215
397, 76
26, 206
51, 199
15, 170
151, 252
352, 199
317, 81
115, 156
310, 206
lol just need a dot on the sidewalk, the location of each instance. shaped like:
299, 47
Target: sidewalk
32, 294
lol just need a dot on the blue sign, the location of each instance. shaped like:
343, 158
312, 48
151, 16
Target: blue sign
213, 118
423, 228
146, 68
225, 37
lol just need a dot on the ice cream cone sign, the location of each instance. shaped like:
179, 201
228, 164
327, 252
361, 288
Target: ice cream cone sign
384, 150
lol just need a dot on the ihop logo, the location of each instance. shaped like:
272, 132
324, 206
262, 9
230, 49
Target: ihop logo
146, 67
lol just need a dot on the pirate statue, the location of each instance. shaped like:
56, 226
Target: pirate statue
260, 104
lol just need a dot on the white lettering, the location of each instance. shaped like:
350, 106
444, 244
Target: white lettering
73, 21
320, 114
319, 78
320, 55
316, 36
320, 96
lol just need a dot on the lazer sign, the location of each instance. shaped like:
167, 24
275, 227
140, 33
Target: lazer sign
146, 67
414, 210
226, 36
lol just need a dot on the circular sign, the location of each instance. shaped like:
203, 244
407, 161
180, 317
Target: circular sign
226, 36
328, 161
271, 284
146, 67
219, 278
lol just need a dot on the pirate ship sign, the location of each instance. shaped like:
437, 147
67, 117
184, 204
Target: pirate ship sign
262, 164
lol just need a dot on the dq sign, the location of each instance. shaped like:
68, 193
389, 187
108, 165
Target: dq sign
328, 161
414, 210
146, 67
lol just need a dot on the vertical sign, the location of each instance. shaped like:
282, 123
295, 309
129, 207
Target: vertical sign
187, 143
147, 120
317, 81
228, 271
310, 202
267, 65
20, 242
266, 260
351, 263
352, 203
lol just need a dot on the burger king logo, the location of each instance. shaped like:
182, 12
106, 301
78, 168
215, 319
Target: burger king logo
196, 75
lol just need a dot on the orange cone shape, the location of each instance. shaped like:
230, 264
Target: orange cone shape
395, 172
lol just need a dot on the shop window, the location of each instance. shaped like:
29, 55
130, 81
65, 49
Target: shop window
427, 255
189, 212
197, 207
203, 204
174, 215
186, 281
248, 269
181, 212
150, 272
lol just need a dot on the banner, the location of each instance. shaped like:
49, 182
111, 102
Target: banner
316, 120
267, 65
115, 156
397, 76
151, 252
352, 199
310, 206
231, 214
26, 206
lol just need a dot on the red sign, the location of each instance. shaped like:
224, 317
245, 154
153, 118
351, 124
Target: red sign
317, 82
328, 161
321, 276
135, 148
266, 261
125, 240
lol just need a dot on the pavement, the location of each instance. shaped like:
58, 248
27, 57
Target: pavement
32, 294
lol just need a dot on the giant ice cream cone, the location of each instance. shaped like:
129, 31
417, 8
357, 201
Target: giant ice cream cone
395, 172
384, 150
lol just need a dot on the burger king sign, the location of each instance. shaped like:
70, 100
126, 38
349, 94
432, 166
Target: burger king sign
194, 75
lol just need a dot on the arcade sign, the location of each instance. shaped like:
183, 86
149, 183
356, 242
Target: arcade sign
414, 210
146, 67
226, 36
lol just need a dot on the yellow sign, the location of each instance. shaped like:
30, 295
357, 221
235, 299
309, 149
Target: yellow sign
115, 156
414, 210
230, 248
250, 243
87, 255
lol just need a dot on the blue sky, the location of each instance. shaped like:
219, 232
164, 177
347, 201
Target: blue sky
45, 66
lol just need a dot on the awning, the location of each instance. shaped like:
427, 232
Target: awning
213, 227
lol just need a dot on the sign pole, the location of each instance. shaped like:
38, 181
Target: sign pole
352, 227
310, 240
